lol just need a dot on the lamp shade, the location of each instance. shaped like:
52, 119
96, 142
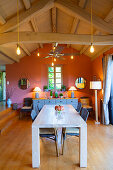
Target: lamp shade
96, 85
37, 89
72, 88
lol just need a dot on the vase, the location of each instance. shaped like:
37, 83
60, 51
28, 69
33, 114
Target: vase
9, 103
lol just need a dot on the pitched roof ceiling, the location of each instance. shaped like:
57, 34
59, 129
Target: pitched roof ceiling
59, 16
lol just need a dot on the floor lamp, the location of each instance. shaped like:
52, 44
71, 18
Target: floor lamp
96, 85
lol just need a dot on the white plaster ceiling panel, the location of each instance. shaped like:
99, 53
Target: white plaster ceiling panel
64, 22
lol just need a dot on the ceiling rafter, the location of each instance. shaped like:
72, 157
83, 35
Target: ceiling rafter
76, 21
76, 11
108, 18
27, 4
54, 19
8, 54
36, 9
103, 50
22, 46
36, 29
36, 37
2, 20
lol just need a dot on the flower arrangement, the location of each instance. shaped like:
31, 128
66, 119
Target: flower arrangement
59, 108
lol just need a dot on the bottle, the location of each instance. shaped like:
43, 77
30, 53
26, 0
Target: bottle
56, 94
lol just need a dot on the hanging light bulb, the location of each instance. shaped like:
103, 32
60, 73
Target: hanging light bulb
92, 48
38, 54
18, 50
72, 57
52, 64
54, 59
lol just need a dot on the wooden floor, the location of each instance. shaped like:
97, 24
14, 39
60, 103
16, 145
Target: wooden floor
16, 149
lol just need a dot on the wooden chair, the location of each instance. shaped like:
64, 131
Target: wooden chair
74, 131
79, 106
50, 133
85, 101
27, 106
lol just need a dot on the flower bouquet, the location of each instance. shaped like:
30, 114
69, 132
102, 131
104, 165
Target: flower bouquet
59, 108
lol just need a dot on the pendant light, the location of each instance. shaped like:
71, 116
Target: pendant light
18, 51
91, 47
38, 54
54, 59
72, 57
52, 62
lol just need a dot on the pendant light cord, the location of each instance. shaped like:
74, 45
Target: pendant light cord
18, 20
91, 25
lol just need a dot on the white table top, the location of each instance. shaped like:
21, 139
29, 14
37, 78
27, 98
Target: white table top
48, 118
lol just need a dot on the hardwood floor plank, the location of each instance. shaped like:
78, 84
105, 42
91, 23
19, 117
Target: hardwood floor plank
16, 149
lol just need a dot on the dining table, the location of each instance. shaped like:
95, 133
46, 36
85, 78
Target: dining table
49, 118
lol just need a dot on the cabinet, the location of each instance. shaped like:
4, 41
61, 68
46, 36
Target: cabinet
39, 103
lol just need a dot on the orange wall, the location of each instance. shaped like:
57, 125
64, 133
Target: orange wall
35, 69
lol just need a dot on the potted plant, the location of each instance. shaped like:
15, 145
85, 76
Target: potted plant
61, 95
45, 88
63, 88
51, 94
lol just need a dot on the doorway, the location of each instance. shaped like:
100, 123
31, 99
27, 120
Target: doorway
2, 86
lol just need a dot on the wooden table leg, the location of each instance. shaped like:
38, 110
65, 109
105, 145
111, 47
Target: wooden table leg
35, 147
83, 146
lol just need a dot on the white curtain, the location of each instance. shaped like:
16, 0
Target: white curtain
107, 62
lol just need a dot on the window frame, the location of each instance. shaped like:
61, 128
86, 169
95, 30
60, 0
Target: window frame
54, 76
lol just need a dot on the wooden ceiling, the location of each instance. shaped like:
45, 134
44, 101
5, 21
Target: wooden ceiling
47, 21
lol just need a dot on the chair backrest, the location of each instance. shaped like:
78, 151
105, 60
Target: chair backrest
79, 106
84, 114
85, 101
27, 101
33, 115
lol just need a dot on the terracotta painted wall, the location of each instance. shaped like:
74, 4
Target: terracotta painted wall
97, 71
35, 69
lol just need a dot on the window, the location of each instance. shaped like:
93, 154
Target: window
54, 77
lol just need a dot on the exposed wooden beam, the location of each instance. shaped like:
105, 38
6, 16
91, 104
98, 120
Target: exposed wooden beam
22, 46
36, 37
103, 50
84, 48
2, 20
36, 29
54, 19
36, 9
82, 14
34, 25
7, 53
41, 45
76, 21
97, 32
27, 4
109, 17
